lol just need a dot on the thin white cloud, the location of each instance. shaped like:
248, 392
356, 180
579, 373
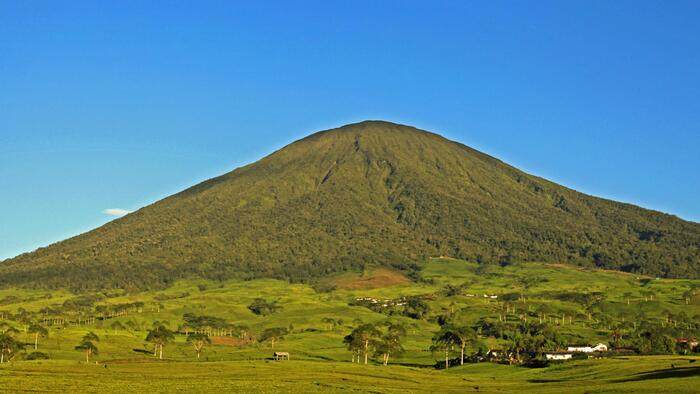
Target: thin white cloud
116, 212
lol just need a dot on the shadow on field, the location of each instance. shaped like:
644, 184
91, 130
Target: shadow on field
677, 372
546, 380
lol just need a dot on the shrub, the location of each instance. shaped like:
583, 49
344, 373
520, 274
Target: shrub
37, 356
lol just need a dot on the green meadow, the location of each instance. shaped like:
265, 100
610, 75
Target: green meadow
649, 374
317, 317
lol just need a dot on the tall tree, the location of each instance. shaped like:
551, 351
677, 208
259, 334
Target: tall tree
444, 341
38, 331
390, 342
87, 345
89, 348
8, 345
363, 339
354, 345
159, 336
465, 336
198, 341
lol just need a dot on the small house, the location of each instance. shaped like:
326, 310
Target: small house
588, 349
558, 356
688, 343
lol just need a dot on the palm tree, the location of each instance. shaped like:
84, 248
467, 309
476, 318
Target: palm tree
38, 331
91, 336
159, 336
88, 346
198, 341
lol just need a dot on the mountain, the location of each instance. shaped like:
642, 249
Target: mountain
371, 193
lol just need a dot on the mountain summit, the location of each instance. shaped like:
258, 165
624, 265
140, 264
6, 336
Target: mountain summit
370, 193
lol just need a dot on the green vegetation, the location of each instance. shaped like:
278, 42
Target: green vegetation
262, 307
184, 338
342, 200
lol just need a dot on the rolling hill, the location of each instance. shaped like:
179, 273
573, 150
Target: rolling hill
371, 193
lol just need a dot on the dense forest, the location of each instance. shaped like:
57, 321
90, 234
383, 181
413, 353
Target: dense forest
372, 193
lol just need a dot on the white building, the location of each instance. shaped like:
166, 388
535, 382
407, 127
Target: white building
558, 356
588, 349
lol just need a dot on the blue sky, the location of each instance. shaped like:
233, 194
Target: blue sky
114, 106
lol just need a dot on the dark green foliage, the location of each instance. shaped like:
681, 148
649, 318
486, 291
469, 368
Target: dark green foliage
362, 341
416, 308
526, 340
82, 302
273, 335
262, 307
37, 356
159, 336
454, 290
653, 338
368, 193
445, 341
196, 322
165, 297
389, 345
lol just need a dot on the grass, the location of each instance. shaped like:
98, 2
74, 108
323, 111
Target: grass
638, 374
319, 359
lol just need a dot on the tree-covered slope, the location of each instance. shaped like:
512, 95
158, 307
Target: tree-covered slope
366, 193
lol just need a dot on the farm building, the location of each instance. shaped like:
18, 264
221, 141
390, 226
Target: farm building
690, 344
588, 349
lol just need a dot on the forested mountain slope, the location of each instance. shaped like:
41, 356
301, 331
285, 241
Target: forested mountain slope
366, 193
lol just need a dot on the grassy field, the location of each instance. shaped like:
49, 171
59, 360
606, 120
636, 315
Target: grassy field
651, 374
320, 361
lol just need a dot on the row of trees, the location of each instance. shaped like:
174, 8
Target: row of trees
197, 329
385, 340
